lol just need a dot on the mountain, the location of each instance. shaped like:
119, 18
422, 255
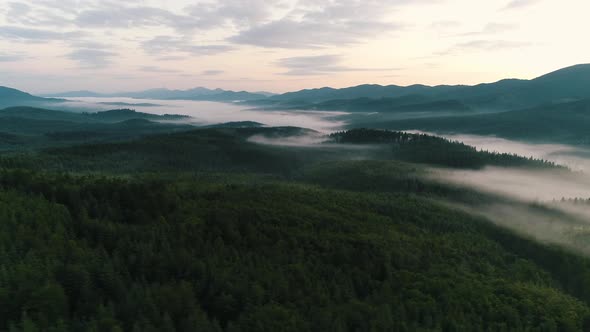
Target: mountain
567, 84
409, 103
7, 93
117, 115
13, 97
361, 91
24, 128
571, 83
265, 93
562, 85
74, 94
197, 230
236, 124
202, 94
563, 122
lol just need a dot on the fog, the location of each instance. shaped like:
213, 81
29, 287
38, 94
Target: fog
530, 185
526, 184
532, 202
207, 113
575, 158
537, 204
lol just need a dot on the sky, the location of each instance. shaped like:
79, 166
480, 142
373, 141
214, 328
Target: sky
49, 46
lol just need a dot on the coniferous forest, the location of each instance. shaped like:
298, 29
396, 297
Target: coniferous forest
205, 230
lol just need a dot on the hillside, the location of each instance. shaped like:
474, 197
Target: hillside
13, 97
219, 235
32, 128
231, 149
409, 103
565, 123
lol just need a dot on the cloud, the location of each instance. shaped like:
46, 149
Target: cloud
492, 28
35, 35
130, 17
443, 25
319, 65
155, 69
171, 44
91, 58
52, 13
212, 72
490, 45
4, 57
237, 13
316, 24
483, 45
172, 58
203, 15
18, 9
516, 4
292, 34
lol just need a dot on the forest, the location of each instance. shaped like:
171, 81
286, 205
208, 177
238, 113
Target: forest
205, 230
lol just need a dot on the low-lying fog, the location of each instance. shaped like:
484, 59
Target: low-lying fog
575, 158
207, 113
525, 184
543, 202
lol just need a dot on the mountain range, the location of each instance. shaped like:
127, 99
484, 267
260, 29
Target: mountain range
566, 122
567, 84
13, 97
201, 94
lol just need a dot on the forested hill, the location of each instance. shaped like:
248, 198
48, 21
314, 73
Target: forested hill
28, 128
238, 252
566, 122
115, 115
13, 97
230, 149
422, 148
206, 230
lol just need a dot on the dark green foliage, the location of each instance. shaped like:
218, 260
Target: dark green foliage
128, 114
428, 149
198, 150
105, 254
27, 128
224, 234
229, 149
116, 115
388, 177
561, 122
409, 104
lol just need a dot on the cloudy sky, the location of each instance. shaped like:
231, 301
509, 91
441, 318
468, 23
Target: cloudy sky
283, 45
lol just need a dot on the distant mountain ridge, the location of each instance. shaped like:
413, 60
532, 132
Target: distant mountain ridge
7, 93
12, 97
199, 93
567, 84
566, 122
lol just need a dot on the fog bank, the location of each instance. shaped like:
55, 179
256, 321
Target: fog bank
208, 113
576, 158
